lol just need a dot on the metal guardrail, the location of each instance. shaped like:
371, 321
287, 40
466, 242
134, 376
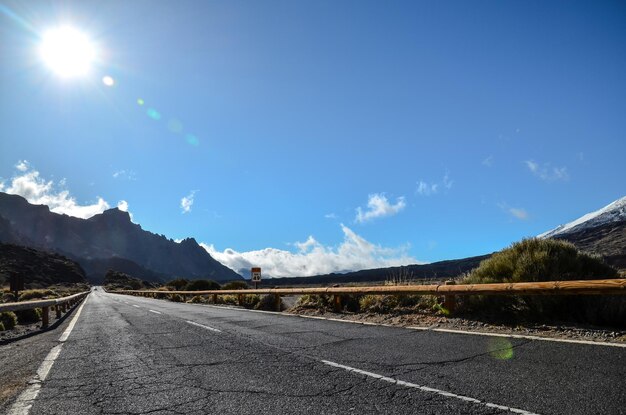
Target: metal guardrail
449, 290
60, 305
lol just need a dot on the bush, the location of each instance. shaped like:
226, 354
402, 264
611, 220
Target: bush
175, 298
37, 294
533, 260
1, 326
28, 316
177, 284
197, 299
8, 319
268, 303
201, 285
235, 285
319, 302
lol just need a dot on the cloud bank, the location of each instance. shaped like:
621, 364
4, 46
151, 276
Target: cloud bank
313, 258
30, 185
377, 207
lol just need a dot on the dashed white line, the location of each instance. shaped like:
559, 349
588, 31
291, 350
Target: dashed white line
25, 401
155, 312
203, 326
426, 388
135, 305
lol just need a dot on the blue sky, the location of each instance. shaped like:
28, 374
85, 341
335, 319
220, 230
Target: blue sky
316, 136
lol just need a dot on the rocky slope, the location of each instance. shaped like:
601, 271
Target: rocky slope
108, 235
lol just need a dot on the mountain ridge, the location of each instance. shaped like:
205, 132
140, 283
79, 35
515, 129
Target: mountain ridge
107, 235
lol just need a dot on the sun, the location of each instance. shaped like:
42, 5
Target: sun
67, 52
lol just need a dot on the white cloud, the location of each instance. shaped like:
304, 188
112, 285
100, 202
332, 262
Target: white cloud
488, 161
187, 202
546, 171
125, 175
331, 215
378, 206
22, 165
426, 189
517, 213
313, 258
30, 185
122, 205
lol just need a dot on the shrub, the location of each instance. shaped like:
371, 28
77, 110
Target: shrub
37, 294
8, 319
177, 284
378, 303
1, 326
320, 302
533, 260
28, 316
268, 303
175, 298
197, 299
201, 285
235, 285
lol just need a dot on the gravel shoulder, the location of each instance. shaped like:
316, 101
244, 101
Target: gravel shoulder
559, 330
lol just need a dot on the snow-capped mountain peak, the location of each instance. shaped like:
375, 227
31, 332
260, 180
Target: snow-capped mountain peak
613, 212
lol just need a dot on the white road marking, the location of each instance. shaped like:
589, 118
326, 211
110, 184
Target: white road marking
426, 388
25, 401
203, 326
519, 336
155, 312
367, 323
135, 305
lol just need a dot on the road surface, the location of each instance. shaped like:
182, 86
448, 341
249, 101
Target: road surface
132, 355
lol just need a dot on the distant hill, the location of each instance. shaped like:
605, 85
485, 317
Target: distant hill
109, 237
602, 233
40, 269
435, 271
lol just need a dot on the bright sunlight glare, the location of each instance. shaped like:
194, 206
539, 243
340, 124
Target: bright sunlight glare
67, 52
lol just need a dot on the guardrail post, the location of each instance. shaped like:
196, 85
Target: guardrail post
277, 302
44, 317
337, 303
58, 310
214, 298
240, 299
449, 301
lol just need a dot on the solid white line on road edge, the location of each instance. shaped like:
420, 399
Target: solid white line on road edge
25, 401
426, 388
70, 327
135, 305
520, 336
155, 312
475, 333
203, 326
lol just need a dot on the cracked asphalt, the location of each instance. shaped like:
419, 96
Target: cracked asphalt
123, 358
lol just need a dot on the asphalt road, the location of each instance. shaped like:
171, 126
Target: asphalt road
131, 355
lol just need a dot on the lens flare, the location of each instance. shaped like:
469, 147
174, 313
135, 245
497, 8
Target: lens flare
192, 139
140, 101
175, 126
500, 348
108, 81
154, 114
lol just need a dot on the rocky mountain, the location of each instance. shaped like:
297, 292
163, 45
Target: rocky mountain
602, 233
40, 269
107, 238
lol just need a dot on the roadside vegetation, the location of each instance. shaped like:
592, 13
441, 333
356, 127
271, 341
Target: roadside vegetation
531, 260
